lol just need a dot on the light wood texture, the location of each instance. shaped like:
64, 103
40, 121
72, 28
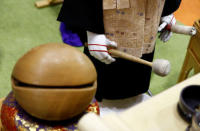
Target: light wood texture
156, 114
123, 55
1, 101
45, 3
192, 58
55, 65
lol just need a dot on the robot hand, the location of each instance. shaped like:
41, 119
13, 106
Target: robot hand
97, 45
165, 26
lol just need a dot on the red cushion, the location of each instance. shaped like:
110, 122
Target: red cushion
14, 118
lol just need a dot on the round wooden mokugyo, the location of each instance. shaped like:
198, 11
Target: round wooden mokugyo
55, 65
14, 118
54, 82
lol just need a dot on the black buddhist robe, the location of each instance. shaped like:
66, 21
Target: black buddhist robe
122, 78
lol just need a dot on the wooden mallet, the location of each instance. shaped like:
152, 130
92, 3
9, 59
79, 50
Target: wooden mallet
160, 67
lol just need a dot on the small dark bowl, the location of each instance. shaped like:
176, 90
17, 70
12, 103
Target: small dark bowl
189, 102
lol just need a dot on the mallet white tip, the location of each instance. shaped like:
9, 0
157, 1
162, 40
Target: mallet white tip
161, 67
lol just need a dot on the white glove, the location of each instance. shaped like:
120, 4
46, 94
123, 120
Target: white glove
97, 45
165, 26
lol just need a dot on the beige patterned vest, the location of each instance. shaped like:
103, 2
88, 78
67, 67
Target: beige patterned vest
133, 24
